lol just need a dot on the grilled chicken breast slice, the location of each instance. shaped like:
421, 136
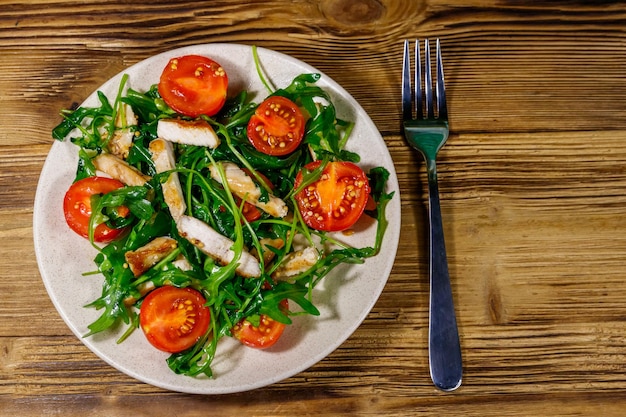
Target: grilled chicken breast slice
122, 139
118, 168
244, 187
163, 156
188, 132
218, 247
296, 263
144, 258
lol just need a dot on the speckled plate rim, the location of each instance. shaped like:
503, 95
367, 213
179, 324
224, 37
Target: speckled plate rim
344, 298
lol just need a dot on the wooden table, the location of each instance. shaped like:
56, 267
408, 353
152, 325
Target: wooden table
532, 181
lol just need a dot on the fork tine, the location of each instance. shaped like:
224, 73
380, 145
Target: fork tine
406, 83
441, 88
428, 82
418, 81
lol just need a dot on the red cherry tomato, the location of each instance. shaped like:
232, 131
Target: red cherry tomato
250, 212
262, 337
336, 200
194, 85
173, 319
276, 127
77, 207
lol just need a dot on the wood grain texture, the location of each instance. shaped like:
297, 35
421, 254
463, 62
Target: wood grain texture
532, 183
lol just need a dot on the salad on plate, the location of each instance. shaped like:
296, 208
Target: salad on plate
215, 213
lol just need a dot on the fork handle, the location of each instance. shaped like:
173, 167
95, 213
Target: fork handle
444, 349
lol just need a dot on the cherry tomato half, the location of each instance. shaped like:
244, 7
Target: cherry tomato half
336, 200
276, 127
173, 319
194, 85
262, 337
77, 207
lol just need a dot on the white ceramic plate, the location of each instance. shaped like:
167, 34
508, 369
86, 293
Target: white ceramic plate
344, 298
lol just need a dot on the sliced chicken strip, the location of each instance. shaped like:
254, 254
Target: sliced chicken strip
143, 288
122, 139
144, 258
296, 263
164, 160
182, 263
188, 132
218, 247
118, 168
244, 187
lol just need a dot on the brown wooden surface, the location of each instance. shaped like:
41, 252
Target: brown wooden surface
532, 181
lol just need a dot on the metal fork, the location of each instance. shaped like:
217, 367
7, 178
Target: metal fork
427, 131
